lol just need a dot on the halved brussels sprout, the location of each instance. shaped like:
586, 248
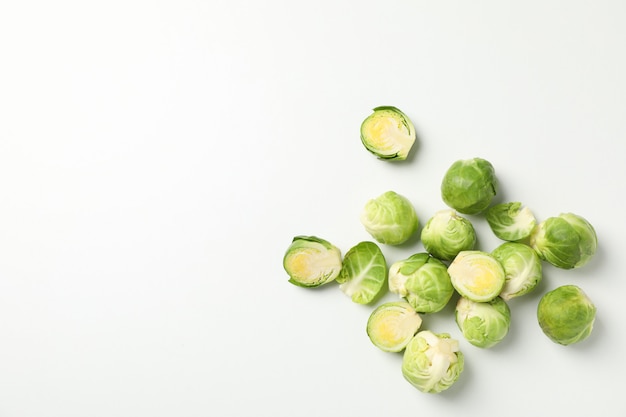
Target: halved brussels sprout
522, 268
483, 324
423, 281
511, 221
392, 325
469, 185
432, 362
364, 272
446, 234
390, 218
388, 133
566, 315
311, 261
566, 241
476, 275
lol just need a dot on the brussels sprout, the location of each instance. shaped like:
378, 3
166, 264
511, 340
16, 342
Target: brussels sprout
483, 324
388, 133
522, 268
511, 221
432, 362
446, 234
392, 325
364, 272
400, 271
423, 281
566, 315
566, 241
311, 261
390, 218
469, 185
477, 275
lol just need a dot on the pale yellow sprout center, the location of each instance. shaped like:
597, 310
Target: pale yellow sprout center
388, 134
481, 279
396, 326
300, 264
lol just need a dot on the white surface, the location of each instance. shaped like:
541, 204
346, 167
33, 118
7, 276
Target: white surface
156, 159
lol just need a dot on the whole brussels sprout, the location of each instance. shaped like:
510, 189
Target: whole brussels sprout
566, 241
483, 324
423, 281
522, 268
566, 315
446, 234
432, 362
469, 185
511, 221
390, 218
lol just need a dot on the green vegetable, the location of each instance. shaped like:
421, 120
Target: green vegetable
432, 362
364, 272
522, 268
483, 324
566, 315
311, 261
446, 234
390, 218
566, 241
392, 325
469, 185
423, 281
388, 133
427, 281
511, 221
477, 275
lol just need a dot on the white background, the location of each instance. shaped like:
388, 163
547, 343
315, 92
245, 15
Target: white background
157, 158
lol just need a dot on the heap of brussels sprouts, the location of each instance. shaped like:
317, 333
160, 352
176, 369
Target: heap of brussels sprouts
425, 282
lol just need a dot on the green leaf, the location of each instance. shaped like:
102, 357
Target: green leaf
364, 273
